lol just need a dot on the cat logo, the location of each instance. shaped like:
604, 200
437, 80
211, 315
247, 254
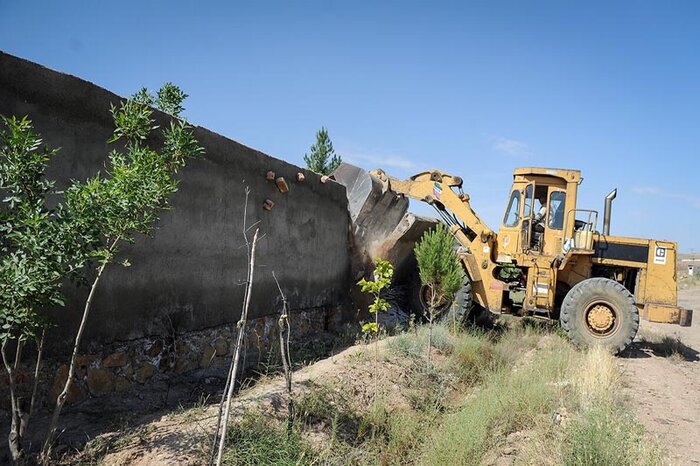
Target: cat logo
660, 255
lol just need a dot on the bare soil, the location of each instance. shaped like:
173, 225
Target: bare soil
662, 379
183, 438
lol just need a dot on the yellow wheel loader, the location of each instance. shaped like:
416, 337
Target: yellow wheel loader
547, 259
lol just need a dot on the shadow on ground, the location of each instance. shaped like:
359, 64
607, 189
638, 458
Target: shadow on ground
667, 347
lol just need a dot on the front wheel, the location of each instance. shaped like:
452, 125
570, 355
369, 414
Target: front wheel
600, 311
462, 305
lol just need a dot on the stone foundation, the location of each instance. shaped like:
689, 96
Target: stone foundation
133, 365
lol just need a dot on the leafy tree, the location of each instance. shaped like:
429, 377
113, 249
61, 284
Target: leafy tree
168, 99
323, 158
145, 97
38, 249
127, 198
383, 274
441, 274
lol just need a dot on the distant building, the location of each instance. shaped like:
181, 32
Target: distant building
690, 270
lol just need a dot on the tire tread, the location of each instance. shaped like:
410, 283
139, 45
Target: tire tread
593, 286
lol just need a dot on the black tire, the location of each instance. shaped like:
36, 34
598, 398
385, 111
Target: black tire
462, 306
599, 311
560, 293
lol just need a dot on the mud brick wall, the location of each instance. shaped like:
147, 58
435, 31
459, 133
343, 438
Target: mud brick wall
188, 276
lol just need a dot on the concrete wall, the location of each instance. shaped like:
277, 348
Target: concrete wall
189, 275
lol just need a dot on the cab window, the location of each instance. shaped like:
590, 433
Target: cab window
513, 212
527, 211
557, 204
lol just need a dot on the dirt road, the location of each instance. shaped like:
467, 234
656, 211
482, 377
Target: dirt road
663, 382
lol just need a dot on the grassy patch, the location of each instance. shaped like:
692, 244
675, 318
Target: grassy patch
524, 393
604, 432
258, 440
608, 435
689, 281
329, 410
509, 401
378, 433
97, 448
474, 357
414, 344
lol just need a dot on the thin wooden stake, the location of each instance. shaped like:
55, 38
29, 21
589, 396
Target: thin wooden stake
239, 344
285, 331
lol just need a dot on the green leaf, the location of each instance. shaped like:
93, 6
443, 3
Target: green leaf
42, 244
370, 327
438, 265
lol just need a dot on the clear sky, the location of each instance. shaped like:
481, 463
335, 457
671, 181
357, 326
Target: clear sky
473, 88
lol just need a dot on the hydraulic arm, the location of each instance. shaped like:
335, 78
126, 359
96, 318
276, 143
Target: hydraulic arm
437, 189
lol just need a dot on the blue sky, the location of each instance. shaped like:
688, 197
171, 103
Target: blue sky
473, 88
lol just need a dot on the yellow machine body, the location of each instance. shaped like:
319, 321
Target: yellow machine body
566, 250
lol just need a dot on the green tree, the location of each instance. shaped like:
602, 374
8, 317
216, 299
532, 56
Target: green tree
38, 249
168, 99
126, 199
441, 273
383, 273
322, 158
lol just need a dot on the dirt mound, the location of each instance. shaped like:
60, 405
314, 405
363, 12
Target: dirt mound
183, 437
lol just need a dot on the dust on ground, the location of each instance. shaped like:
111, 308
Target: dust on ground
662, 378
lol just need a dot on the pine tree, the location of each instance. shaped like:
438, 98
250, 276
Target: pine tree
323, 158
440, 271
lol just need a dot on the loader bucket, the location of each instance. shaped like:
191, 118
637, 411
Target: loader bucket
382, 227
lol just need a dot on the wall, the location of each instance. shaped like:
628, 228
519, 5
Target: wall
189, 275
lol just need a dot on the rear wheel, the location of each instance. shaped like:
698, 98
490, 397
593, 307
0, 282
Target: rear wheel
462, 305
599, 311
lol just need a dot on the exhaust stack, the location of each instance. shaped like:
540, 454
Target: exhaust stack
606, 213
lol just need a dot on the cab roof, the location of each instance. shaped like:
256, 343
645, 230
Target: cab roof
563, 173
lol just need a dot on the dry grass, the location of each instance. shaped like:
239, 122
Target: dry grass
551, 405
516, 396
595, 378
608, 434
523, 395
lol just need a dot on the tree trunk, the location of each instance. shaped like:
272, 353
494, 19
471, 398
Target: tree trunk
239, 344
14, 439
40, 349
286, 364
376, 336
430, 333
215, 439
60, 401
431, 312
222, 403
285, 330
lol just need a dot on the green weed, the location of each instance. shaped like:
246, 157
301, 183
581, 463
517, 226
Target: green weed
256, 440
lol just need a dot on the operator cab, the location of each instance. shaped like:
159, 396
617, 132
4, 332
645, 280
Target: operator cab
540, 214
